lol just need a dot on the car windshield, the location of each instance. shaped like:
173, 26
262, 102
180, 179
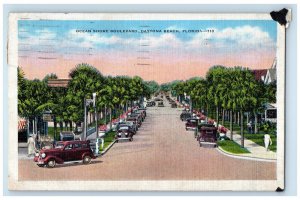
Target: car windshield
59, 146
124, 128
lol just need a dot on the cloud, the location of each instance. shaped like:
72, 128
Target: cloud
239, 38
228, 40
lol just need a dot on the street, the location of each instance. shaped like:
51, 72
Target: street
161, 150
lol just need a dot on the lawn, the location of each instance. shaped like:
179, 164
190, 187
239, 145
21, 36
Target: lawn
232, 147
259, 139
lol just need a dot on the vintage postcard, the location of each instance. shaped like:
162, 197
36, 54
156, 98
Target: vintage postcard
146, 102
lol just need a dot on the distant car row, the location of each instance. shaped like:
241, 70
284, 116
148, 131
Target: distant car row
125, 130
206, 133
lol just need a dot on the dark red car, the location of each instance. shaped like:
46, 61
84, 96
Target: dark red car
66, 151
208, 136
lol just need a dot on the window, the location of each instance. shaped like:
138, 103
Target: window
77, 146
69, 147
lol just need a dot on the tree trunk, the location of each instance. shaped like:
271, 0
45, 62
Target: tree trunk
110, 118
28, 125
217, 115
55, 129
71, 126
223, 116
66, 125
90, 117
61, 125
105, 114
255, 123
207, 110
238, 118
242, 129
231, 131
247, 117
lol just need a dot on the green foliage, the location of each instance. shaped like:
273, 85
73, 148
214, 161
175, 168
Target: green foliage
268, 127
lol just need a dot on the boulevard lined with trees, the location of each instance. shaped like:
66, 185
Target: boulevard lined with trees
225, 94
115, 94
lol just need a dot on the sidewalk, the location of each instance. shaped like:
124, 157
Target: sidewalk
256, 151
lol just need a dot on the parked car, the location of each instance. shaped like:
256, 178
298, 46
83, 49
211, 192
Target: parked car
127, 123
200, 125
143, 110
65, 151
185, 115
124, 133
135, 121
141, 114
139, 118
208, 135
191, 124
160, 104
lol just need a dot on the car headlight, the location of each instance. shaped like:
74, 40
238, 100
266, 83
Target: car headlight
43, 155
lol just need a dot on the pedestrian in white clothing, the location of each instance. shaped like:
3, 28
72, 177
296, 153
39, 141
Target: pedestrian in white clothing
268, 141
31, 145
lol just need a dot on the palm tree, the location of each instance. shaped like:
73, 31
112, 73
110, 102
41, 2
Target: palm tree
85, 80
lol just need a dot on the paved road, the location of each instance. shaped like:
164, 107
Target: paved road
161, 150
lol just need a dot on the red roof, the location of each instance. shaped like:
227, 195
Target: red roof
258, 73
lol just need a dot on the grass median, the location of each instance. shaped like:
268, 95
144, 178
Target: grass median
108, 139
232, 147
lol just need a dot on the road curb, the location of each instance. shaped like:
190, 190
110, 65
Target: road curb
109, 146
222, 151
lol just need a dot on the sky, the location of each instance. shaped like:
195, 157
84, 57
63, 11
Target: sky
160, 50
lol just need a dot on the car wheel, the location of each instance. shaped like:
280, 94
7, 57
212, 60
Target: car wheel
87, 159
130, 139
40, 165
51, 163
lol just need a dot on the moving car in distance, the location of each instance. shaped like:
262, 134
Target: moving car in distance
65, 151
160, 104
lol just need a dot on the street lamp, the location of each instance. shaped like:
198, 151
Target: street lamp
96, 114
87, 102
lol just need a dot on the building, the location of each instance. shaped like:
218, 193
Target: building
271, 73
260, 74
